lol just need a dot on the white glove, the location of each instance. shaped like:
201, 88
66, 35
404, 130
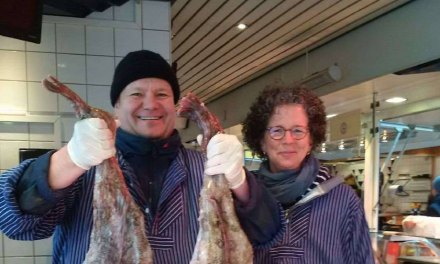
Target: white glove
92, 142
225, 156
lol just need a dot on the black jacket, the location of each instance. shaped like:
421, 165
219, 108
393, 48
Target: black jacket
434, 207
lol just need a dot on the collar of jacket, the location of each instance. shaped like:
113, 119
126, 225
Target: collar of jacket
130, 144
320, 190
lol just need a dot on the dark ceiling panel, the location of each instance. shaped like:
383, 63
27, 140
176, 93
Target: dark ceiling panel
95, 5
78, 8
67, 6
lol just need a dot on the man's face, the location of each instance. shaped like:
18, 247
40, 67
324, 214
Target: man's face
146, 108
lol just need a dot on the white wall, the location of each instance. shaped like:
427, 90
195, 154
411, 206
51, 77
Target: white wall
82, 53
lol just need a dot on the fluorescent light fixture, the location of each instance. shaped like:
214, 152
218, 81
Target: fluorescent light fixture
241, 26
396, 100
331, 115
324, 77
341, 145
384, 136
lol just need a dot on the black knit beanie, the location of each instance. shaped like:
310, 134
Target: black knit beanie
142, 64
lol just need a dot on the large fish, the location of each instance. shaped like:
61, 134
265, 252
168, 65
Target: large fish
220, 239
118, 234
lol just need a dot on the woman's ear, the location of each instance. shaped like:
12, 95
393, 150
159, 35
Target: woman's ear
263, 146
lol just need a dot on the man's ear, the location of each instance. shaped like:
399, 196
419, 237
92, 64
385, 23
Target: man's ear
116, 104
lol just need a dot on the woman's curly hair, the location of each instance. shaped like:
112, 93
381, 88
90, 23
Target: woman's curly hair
255, 123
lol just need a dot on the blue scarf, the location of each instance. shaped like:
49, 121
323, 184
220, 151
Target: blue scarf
287, 186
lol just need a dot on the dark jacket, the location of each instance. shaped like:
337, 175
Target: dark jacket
172, 232
434, 207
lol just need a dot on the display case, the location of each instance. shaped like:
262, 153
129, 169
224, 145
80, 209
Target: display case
398, 248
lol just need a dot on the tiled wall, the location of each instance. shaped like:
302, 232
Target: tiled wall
81, 55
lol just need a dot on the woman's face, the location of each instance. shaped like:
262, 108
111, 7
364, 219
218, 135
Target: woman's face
287, 153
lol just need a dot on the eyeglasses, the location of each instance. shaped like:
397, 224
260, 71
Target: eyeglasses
278, 132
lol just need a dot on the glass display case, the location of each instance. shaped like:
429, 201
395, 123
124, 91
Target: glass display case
398, 248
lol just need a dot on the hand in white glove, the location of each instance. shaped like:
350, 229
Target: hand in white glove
92, 142
225, 156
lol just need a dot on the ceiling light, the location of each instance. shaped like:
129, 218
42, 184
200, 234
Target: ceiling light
384, 136
241, 26
341, 145
323, 148
331, 115
396, 100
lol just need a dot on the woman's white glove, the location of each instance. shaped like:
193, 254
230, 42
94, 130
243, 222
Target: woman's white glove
225, 156
92, 142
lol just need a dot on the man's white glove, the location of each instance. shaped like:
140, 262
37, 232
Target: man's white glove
225, 156
92, 142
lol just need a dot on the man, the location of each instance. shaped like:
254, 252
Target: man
434, 203
53, 194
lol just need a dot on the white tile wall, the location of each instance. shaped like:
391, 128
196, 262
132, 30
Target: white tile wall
41, 132
16, 248
122, 46
95, 93
157, 41
100, 70
13, 96
84, 58
1, 246
64, 105
43, 247
99, 41
40, 99
9, 153
71, 68
126, 12
47, 40
70, 39
43, 260
19, 260
156, 15
12, 65
43, 145
14, 131
67, 126
11, 44
39, 65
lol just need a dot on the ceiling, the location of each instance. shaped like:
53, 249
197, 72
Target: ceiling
213, 56
78, 8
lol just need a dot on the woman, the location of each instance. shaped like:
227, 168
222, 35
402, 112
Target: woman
325, 219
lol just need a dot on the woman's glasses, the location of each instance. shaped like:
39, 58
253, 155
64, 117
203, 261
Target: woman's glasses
278, 133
